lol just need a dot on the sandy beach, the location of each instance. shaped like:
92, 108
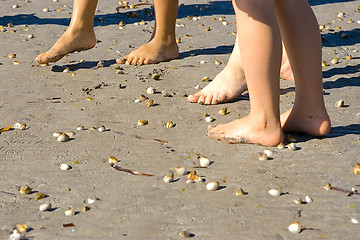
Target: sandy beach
92, 92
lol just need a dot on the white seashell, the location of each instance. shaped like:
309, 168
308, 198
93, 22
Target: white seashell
298, 201
22, 126
15, 6
150, 90
239, 192
102, 128
142, 122
199, 179
339, 103
269, 153
327, 187
334, 61
354, 220
184, 234
275, 192
204, 161
70, 134
57, 134
165, 94
80, 128
137, 100
64, 166
197, 87
70, 212
112, 159
209, 119
292, 147
168, 178
263, 157
225, 23
45, 207
31, 36
45, 10
217, 62
189, 181
63, 137
16, 235
295, 227
180, 171
22, 227
169, 125
91, 200
202, 62
212, 186
308, 199
17, 125
281, 146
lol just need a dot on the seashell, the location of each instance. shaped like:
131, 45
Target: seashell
225, 23
169, 124
308, 199
208, 29
150, 90
197, 87
102, 128
357, 168
85, 208
184, 234
112, 159
209, 119
15, 6
344, 36
204, 161
45, 9
89, 98
263, 157
327, 187
16, 62
298, 201
156, 76
22, 227
142, 122
192, 175
70, 134
292, 147
323, 63
202, 62
39, 195
295, 227
80, 128
217, 62
149, 103
17, 125
63, 137
180, 171
31, 36
198, 178
66, 70
212, 186
281, 146
348, 57
91, 200
70, 212
178, 40
224, 111
10, 25
354, 220
22, 126
168, 178
25, 189
292, 139
16, 235
45, 207
239, 192
12, 55
275, 192
339, 103
269, 153
64, 166
189, 181
205, 79
335, 61
165, 94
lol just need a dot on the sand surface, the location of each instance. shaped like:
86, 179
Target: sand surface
139, 207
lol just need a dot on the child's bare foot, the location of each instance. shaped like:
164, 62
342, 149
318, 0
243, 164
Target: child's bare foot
69, 42
154, 51
315, 124
247, 130
286, 72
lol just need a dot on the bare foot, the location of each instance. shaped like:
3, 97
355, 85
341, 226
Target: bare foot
69, 42
247, 130
154, 51
286, 72
227, 85
315, 124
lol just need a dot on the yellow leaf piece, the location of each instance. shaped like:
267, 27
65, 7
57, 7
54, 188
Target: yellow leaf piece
5, 129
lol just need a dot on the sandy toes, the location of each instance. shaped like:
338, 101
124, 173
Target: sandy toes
69, 42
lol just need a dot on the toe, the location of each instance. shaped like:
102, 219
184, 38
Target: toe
147, 61
129, 60
208, 99
215, 99
120, 61
221, 97
141, 61
201, 99
193, 98
135, 61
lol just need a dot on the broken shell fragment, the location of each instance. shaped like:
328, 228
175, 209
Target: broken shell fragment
80, 128
25, 189
102, 128
354, 220
275, 192
91, 200
45, 207
150, 90
204, 161
239, 192
205, 79
357, 168
70, 212
12, 55
16, 62
142, 122
169, 124
112, 159
223, 111
298, 201
263, 157
22, 227
184, 234
63, 137
327, 187
64, 166
70, 134
192, 175
335, 61
295, 227
281, 146
39, 195
217, 62
212, 186
269, 153
16, 235
308, 199
168, 178
180, 171
17, 125
292, 147
323, 63
209, 119
85, 208
149, 103
165, 94
339, 103
156, 76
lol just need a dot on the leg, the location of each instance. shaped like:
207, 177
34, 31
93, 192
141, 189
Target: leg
301, 36
78, 36
162, 45
260, 46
